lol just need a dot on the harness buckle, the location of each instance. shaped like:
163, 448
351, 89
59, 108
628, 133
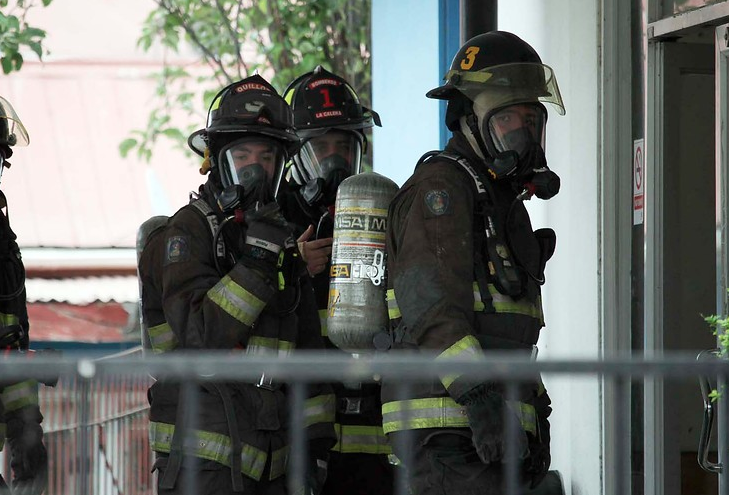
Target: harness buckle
350, 405
265, 382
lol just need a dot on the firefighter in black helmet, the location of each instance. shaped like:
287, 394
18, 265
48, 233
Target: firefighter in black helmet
330, 120
224, 274
20, 417
465, 270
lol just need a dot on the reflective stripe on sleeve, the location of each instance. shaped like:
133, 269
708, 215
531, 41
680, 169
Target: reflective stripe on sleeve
267, 346
506, 304
236, 301
162, 338
466, 348
3, 430
20, 395
8, 319
319, 409
353, 439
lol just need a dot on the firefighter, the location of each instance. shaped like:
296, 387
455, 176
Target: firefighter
231, 279
20, 417
330, 120
465, 270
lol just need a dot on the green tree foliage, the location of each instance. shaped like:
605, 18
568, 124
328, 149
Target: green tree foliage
289, 37
720, 327
15, 33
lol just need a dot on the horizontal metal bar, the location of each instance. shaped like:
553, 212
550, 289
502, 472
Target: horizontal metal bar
308, 366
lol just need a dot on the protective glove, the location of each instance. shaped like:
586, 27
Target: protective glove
485, 408
28, 457
316, 474
537, 464
270, 247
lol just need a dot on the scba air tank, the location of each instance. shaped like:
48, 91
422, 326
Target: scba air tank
357, 309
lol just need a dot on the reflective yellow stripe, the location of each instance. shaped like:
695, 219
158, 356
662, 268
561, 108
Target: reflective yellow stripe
323, 320
162, 338
393, 310
501, 303
319, 409
466, 348
361, 439
527, 415
216, 447
267, 346
236, 301
279, 459
434, 412
20, 395
8, 319
442, 412
3, 429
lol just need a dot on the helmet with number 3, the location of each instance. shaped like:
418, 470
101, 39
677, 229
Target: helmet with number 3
330, 120
490, 72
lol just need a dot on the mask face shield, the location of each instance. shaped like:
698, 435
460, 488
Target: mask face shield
12, 130
254, 162
335, 153
516, 128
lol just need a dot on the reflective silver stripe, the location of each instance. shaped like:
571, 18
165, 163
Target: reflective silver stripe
236, 301
208, 445
162, 338
20, 395
433, 412
267, 346
323, 320
393, 310
466, 348
319, 409
361, 439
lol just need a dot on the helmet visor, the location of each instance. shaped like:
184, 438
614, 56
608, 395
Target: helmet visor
332, 152
510, 83
252, 162
12, 130
516, 127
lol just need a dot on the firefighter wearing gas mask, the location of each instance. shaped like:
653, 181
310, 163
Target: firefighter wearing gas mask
20, 417
330, 120
465, 269
227, 275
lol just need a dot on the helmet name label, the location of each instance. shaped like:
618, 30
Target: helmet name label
319, 82
328, 113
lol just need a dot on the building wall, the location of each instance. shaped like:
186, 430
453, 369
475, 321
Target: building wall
564, 32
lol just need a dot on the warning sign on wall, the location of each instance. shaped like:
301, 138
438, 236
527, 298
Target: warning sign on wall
638, 181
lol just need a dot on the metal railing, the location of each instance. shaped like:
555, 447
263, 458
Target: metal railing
96, 424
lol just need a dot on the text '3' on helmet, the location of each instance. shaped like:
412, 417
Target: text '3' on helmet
492, 71
248, 121
325, 103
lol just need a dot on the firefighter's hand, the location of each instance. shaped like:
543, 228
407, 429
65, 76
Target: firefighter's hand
268, 238
485, 409
315, 253
28, 459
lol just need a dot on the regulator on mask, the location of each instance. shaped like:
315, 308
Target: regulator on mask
514, 136
250, 170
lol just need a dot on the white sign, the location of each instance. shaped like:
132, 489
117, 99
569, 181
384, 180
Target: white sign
638, 181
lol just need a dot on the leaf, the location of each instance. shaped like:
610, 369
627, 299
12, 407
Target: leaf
126, 146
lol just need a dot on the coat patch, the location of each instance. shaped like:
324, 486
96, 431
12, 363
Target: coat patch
437, 201
177, 249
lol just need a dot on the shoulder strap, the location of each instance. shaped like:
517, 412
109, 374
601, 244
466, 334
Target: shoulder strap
204, 208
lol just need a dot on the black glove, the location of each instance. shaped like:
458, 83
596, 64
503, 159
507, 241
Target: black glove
485, 409
269, 241
28, 457
316, 474
537, 464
